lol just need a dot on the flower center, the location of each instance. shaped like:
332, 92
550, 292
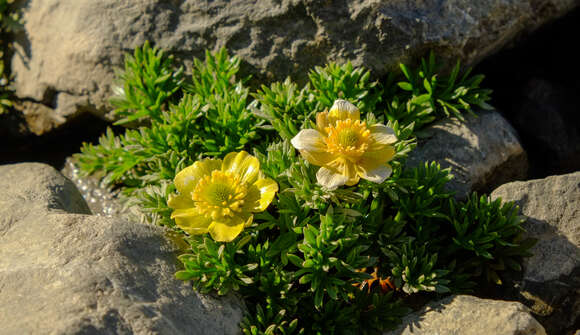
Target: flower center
220, 195
348, 138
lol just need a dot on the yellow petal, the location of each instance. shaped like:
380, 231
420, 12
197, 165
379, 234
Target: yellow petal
377, 175
329, 179
382, 134
186, 180
322, 122
342, 110
228, 229
242, 164
312, 147
376, 155
349, 170
191, 221
352, 181
317, 158
260, 195
344, 167
179, 201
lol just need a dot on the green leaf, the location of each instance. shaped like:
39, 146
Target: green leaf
282, 243
310, 234
297, 261
405, 86
184, 275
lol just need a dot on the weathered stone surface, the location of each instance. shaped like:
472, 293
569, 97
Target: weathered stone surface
552, 275
467, 315
482, 152
67, 53
33, 186
63, 273
552, 206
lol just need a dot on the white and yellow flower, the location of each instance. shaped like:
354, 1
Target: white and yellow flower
346, 148
219, 196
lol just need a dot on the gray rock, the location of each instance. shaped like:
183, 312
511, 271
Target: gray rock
552, 275
552, 206
64, 273
482, 152
467, 315
67, 53
34, 186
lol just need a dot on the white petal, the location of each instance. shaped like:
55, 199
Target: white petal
342, 110
377, 175
382, 134
308, 139
329, 179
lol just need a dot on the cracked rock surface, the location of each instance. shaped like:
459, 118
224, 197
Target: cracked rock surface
67, 53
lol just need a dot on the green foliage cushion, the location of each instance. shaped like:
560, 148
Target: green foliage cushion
310, 263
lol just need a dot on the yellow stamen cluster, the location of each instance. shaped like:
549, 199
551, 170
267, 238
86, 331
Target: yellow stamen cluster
348, 138
220, 195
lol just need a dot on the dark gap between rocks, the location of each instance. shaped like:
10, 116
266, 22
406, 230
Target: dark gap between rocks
536, 85
52, 148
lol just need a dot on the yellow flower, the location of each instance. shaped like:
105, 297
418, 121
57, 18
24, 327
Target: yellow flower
219, 197
346, 148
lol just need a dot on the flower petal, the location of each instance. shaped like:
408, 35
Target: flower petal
309, 139
187, 178
191, 221
260, 195
180, 201
322, 122
242, 164
228, 229
342, 110
329, 179
376, 155
349, 169
317, 158
344, 167
352, 181
312, 147
382, 134
378, 175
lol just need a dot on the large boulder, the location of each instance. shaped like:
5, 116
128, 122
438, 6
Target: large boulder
551, 277
65, 272
467, 315
68, 51
483, 152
